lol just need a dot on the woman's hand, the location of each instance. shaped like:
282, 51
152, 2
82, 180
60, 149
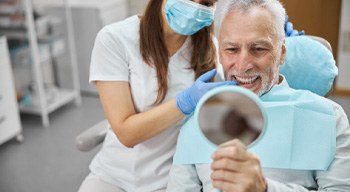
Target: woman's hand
237, 170
289, 31
187, 100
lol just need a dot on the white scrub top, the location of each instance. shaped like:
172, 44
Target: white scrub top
116, 57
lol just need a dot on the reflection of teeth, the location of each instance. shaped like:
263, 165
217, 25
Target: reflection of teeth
246, 80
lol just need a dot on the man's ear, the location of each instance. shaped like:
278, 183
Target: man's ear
283, 52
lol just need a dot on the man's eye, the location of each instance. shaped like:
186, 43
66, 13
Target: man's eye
259, 51
233, 50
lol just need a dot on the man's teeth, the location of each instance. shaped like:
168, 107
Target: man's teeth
246, 80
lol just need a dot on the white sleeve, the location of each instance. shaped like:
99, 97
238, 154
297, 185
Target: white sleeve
337, 177
183, 178
204, 171
108, 59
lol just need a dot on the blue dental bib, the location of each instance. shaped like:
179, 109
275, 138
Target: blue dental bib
300, 133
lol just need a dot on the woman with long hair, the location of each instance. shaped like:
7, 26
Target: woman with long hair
150, 72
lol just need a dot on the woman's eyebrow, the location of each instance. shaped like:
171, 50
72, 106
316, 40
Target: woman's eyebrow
212, 1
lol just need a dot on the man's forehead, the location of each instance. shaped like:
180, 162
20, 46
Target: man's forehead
238, 42
248, 28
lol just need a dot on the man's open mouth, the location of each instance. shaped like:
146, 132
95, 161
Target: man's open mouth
246, 80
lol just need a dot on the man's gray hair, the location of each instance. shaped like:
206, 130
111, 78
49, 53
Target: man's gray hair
273, 6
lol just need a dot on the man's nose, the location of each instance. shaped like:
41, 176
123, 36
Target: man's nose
243, 62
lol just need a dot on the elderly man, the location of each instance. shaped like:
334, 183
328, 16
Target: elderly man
251, 42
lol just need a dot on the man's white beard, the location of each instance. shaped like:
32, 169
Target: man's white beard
266, 87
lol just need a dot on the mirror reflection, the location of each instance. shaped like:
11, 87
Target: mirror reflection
231, 115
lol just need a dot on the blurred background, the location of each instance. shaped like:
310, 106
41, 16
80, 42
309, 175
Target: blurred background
45, 97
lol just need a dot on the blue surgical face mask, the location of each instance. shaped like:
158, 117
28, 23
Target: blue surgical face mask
186, 17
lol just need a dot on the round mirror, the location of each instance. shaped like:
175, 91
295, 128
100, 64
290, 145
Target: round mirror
231, 112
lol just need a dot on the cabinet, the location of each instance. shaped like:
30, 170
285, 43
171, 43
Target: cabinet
10, 125
59, 97
89, 16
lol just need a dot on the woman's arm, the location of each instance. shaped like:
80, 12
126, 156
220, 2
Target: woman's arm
133, 128
130, 127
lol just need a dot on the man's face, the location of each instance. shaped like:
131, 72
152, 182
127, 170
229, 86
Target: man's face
250, 50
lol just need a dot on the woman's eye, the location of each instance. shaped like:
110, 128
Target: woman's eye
208, 4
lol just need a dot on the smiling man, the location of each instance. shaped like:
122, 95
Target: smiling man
252, 48
251, 55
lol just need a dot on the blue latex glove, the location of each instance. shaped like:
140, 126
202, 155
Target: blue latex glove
289, 31
187, 100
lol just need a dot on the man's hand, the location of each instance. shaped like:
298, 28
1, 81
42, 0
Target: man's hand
237, 170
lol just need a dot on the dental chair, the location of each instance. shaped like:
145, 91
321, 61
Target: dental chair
309, 64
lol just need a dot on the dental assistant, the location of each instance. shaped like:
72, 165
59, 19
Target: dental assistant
150, 71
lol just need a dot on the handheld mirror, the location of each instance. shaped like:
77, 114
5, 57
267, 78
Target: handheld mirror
231, 112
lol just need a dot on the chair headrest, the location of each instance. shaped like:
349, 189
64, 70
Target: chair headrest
308, 65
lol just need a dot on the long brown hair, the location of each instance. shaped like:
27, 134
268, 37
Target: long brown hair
155, 53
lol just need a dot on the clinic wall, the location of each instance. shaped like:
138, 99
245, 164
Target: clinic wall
329, 19
343, 80
316, 17
137, 6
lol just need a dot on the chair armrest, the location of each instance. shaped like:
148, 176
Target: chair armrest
321, 40
92, 137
